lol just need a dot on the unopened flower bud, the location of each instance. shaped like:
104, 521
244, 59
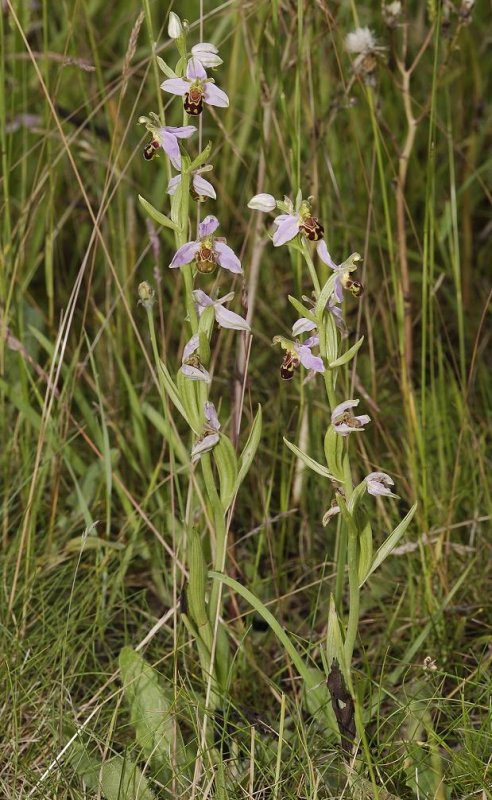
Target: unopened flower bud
263, 202
175, 26
146, 295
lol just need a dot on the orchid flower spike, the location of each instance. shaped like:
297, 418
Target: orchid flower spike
210, 436
165, 136
342, 272
196, 89
191, 366
223, 317
298, 353
344, 421
207, 251
200, 188
378, 483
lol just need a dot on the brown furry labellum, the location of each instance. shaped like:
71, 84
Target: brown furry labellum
288, 366
151, 149
312, 228
193, 101
205, 260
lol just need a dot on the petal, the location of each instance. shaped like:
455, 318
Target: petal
227, 297
228, 319
308, 360
170, 145
173, 184
202, 187
311, 342
195, 70
176, 86
215, 96
332, 512
204, 445
190, 347
226, 258
338, 290
182, 132
341, 408
364, 419
287, 228
303, 325
208, 226
381, 477
206, 47
202, 299
343, 429
196, 373
263, 202
211, 415
206, 53
185, 254
324, 254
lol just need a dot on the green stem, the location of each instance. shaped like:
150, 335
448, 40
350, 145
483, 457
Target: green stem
311, 268
354, 602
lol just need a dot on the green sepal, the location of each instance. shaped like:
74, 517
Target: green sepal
165, 68
309, 462
201, 158
206, 323
188, 393
302, 310
156, 215
389, 544
250, 448
204, 347
334, 452
346, 357
226, 461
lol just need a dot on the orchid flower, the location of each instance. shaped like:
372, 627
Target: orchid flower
166, 136
223, 317
378, 483
207, 251
298, 353
342, 272
210, 436
298, 219
191, 366
199, 188
332, 512
196, 89
344, 421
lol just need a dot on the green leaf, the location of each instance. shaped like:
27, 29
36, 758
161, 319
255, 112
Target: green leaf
165, 68
150, 709
334, 642
390, 543
310, 462
201, 158
156, 215
250, 448
195, 593
171, 390
302, 310
348, 356
118, 778
188, 393
226, 460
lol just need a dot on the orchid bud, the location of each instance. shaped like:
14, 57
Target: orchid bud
146, 295
175, 26
263, 202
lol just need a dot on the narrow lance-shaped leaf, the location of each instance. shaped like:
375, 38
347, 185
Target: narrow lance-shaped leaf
310, 462
324, 296
250, 448
156, 215
390, 543
348, 356
302, 310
